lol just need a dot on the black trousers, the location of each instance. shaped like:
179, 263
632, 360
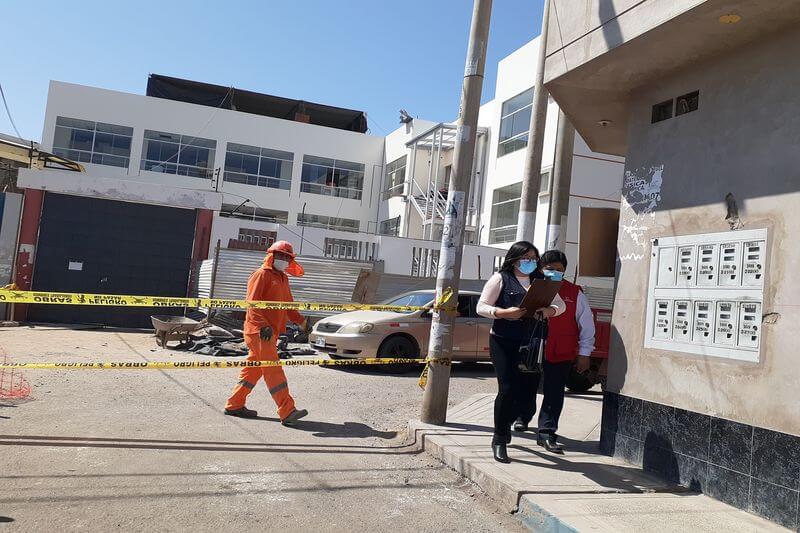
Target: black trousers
553, 383
514, 388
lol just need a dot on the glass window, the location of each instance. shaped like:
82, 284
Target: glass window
515, 122
395, 178
321, 221
92, 142
262, 167
254, 213
331, 177
390, 226
415, 299
505, 211
172, 153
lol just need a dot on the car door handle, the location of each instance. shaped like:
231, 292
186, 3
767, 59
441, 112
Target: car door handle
470, 323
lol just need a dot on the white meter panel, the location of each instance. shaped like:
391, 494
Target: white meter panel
666, 267
705, 294
749, 324
707, 265
753, 263
662, 328
727, 317
703, 330
730, 264
687, 266
682, 321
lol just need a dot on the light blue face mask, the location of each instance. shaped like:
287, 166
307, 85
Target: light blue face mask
553, 275
526, 266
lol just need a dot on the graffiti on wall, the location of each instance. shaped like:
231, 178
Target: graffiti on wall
641, 196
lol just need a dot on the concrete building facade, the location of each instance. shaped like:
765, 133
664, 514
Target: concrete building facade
700, 98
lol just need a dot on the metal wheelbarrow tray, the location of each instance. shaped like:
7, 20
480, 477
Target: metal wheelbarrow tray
173, 328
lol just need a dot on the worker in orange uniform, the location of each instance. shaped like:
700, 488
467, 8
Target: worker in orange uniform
261, 330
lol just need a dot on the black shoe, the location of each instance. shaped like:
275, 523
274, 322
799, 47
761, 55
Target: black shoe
520, 425
549, 442
293, 417
242, 412
500, 453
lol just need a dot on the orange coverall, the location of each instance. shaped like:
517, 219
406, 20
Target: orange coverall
272, 285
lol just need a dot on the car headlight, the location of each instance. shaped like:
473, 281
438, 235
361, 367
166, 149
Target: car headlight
357, 327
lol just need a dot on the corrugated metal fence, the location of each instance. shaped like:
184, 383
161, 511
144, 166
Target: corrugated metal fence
326, 280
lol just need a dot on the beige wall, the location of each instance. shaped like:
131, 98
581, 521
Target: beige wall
743, 140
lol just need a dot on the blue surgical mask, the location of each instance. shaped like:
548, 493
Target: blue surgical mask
553, 275
526, 266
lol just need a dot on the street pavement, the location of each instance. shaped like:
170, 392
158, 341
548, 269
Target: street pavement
151, 450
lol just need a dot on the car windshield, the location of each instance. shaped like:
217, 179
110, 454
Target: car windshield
415, 299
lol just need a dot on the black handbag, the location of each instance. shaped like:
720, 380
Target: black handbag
531, 355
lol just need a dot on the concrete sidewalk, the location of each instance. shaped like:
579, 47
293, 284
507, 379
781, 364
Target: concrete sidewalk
582, 490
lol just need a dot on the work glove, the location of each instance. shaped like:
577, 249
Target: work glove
265, 333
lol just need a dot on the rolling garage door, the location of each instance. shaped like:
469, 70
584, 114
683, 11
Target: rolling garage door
110, 247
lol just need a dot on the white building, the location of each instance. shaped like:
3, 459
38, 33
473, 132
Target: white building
272, 168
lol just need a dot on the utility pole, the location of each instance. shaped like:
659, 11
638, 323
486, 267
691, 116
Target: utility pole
531, 180
560, 185
440, 347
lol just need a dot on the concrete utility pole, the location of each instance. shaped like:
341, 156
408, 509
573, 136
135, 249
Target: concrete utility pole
560, 185
440, 347
531, 180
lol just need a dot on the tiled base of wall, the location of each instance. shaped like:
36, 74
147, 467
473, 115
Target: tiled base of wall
751, 468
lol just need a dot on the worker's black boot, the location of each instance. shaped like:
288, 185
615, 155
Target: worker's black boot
242, 412
294, 416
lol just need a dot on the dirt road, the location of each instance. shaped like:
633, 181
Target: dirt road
151, 450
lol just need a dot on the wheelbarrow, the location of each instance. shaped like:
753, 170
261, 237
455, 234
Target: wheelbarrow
173, 328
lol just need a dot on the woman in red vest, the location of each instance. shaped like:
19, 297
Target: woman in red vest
570, 336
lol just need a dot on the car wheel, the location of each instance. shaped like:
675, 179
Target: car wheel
398, 347
577, 382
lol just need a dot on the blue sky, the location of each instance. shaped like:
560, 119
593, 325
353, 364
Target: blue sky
373, 55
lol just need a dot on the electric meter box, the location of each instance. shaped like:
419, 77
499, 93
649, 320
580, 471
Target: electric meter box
705, 294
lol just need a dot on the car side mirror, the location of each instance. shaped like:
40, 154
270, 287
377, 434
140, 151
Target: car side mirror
426, 313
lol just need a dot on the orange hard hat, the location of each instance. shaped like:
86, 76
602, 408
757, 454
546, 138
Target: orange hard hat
283, 247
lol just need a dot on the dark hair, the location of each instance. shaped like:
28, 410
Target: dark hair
554, 256
515, 253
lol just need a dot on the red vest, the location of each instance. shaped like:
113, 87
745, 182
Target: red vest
562, 330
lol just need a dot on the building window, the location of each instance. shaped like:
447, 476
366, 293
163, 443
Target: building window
184, 155
505, 211
515, 121
253, 239
254, 213
395, 178
390, 227
662, 111
92, 142
544, 182
321, 221
332, 177
261, 167
687, 103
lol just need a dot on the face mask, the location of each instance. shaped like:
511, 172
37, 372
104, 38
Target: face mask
526, 266
553, 275
280, 264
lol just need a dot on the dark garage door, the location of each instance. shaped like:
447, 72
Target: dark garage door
110, 247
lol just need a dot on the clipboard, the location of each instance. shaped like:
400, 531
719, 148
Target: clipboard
540, 294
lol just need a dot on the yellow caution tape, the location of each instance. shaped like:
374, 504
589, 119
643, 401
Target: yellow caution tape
423, 378
442, 301
68, 298
200, 365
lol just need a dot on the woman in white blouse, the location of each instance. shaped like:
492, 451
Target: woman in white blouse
500, 300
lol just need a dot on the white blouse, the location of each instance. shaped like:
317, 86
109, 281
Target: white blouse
493, 288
